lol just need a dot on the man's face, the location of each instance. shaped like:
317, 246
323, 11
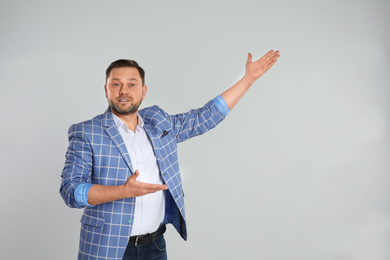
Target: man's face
124, 90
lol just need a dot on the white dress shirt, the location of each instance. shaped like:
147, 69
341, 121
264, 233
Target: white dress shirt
149, 209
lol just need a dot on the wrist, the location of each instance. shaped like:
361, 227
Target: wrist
122, 191
247, 81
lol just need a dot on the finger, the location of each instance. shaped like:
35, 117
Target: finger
272, 57
164, 187
134, 175
158, 187
150, 188
271, 64
266, 57
268, 54
249, 60
275, 55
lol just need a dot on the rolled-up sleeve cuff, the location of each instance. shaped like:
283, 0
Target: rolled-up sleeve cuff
81, 194
221, 105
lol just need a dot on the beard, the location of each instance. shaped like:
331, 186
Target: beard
116, 108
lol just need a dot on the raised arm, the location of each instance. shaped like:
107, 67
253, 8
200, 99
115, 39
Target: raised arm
254, 70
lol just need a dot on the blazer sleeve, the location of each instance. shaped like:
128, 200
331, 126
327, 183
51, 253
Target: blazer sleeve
198, 121
78, 165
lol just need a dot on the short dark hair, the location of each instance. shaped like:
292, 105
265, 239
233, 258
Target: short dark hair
126, 63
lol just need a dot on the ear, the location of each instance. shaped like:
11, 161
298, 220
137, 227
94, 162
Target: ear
105, 90
144, 90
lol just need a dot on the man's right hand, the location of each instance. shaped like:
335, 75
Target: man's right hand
99, 194
133, 188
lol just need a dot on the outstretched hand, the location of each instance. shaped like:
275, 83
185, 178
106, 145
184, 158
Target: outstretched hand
256, 69
134, 188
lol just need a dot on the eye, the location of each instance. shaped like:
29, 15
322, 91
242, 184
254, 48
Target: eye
116, 84
132, 84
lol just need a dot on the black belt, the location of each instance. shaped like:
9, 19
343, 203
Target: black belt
147, 238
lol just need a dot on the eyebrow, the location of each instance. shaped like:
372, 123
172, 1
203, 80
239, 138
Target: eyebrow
130, 79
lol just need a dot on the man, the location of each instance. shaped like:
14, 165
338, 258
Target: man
122, 167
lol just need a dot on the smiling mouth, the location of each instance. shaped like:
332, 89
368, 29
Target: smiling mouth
124, 99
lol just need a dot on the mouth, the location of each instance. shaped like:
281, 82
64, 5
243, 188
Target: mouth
124, 99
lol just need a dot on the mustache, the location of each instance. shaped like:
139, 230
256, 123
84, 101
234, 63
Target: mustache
125, 97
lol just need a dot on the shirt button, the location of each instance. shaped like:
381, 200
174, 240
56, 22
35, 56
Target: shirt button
130, 221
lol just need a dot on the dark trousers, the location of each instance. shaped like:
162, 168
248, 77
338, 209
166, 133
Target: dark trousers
152, 251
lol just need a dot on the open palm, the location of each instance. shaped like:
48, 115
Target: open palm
256, 69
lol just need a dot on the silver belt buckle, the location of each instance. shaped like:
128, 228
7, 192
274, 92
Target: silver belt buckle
136, 241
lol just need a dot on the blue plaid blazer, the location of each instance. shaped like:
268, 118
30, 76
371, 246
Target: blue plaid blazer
97, 154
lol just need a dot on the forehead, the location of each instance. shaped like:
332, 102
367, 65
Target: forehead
125, 73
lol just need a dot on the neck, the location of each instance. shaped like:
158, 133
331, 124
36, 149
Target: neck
130, 120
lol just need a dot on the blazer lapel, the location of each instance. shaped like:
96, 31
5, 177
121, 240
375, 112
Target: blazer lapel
113, 133
149, 130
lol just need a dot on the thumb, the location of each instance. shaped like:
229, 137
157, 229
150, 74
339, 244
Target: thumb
135, 175
249, 60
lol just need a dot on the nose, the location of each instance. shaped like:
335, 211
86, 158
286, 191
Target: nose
123, 90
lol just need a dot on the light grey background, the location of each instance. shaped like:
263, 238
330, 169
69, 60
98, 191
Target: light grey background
298, 170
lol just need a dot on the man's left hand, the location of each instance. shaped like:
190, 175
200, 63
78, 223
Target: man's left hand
256, 69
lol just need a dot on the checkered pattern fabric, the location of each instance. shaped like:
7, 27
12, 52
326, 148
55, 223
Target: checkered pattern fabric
97, 154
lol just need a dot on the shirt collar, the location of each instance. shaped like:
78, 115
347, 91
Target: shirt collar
120, 124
